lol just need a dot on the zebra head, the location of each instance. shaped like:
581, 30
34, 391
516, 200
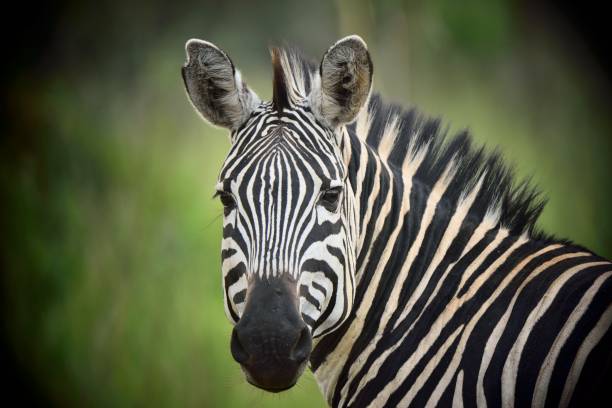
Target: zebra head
289, 229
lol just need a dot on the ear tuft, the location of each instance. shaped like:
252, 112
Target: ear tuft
345, 80
214, 86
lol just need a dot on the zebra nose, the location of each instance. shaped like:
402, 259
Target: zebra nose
303, 346
271, 341
271, 356
253, 342
238, 351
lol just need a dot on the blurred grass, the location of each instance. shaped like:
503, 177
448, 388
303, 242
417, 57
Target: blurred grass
117, 281
112, 284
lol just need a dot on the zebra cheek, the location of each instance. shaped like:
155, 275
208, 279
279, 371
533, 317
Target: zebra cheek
310, 310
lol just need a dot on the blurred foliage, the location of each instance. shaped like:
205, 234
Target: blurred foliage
112, 288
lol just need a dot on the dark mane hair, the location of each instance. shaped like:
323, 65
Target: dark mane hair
515, 205
280, 98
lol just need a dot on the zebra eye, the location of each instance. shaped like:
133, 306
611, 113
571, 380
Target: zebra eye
227, 200
330, 198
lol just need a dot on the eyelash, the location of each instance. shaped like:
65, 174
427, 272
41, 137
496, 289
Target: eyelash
330, 198
227, 199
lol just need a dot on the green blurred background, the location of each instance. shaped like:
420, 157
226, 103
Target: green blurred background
111, 290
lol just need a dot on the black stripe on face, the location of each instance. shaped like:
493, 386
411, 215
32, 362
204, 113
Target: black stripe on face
227, 253
232, 277
309, 298
276, 174
239, 297
319, 288
309, 320
313, 265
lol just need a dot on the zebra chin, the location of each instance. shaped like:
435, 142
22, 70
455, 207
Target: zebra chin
271, 341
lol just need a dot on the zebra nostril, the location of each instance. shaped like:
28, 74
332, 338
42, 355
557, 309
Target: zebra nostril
238, 351
301, 349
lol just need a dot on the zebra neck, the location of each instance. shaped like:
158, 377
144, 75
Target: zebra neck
383, 200
380, 197
406, 232
438, 280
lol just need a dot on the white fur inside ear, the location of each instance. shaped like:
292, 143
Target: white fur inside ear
249, 99
342, 86
215, 87
315, 100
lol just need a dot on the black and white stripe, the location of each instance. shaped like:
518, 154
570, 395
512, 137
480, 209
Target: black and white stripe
429, 285
276, 170
459, 301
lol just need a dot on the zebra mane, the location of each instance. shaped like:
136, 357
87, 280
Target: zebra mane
418, 147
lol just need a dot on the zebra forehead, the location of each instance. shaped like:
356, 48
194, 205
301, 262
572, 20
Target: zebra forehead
280, 166
283, 149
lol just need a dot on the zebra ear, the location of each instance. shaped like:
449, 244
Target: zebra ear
343, 85
215, 87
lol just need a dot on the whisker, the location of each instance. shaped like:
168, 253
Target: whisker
212, 221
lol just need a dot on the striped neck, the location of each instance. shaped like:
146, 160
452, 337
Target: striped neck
423, 328
409, 231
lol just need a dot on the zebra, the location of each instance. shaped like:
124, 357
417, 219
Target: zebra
402, 268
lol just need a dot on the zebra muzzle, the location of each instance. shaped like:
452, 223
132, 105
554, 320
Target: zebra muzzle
271, 341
